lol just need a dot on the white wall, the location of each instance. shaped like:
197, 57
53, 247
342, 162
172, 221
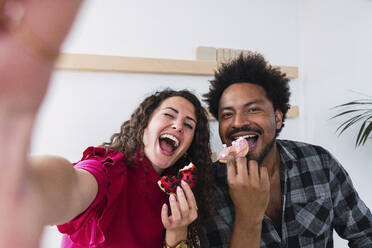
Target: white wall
335, 58
328, 40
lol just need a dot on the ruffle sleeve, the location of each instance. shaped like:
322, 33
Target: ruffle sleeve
107, 166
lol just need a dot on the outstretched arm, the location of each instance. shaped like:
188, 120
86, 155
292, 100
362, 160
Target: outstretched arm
31, 32
63, 192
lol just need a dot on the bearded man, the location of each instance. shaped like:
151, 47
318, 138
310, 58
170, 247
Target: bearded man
283, 193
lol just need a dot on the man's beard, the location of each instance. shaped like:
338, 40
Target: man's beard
264, 152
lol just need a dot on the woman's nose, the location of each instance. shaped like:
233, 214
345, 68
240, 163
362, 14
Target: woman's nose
178, 125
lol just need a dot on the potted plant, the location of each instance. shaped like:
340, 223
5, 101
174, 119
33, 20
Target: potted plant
357, 112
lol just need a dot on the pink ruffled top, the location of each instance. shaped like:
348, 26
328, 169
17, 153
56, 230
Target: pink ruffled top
127, 209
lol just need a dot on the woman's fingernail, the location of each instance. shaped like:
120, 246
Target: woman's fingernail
179, 189
183, 183
172, 198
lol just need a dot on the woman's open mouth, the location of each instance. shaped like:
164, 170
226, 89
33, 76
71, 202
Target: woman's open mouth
168, 144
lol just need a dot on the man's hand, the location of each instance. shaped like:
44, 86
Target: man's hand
250, 193
249, 188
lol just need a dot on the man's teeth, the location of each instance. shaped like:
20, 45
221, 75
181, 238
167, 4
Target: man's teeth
246, 136
171, 137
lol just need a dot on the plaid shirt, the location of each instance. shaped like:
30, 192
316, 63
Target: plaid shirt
317, 197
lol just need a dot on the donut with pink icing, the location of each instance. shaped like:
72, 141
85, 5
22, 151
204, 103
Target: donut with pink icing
239, 147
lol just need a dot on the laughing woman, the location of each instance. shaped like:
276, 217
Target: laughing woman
110, 198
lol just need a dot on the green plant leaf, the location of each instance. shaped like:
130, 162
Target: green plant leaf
349, 123
366, 133
345, 113
360, 134
358, 111
359, 102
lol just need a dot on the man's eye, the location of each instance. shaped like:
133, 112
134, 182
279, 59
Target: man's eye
253, 109
226, 115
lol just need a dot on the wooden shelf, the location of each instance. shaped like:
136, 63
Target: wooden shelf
293, 112
106, 63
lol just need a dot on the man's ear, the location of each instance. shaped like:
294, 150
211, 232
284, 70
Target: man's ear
278, 119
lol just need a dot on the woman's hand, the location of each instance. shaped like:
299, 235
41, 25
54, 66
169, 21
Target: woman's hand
183, 212
30, 31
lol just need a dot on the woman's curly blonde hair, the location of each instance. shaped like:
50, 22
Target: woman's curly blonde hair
130, 139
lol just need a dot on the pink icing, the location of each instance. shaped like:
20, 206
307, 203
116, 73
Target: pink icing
240, 147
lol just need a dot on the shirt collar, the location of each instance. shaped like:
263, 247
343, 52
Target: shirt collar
287, 156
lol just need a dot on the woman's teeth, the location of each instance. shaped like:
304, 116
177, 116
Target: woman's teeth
171, 137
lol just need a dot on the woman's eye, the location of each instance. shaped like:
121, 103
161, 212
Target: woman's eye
169, 115
189, 126
253, 109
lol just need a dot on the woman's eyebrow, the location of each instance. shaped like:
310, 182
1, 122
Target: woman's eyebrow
191, 119
176, 111
173, 109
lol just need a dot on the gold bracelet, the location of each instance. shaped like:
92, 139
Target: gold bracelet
181, 244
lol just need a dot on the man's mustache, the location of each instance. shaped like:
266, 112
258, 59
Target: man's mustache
244, 129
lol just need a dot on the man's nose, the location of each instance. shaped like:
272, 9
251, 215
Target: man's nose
239, 121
